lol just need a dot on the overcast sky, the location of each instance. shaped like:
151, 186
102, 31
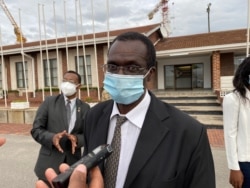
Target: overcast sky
187, 16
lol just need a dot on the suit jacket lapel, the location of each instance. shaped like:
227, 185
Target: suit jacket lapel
101, 133
146, 146
78, 114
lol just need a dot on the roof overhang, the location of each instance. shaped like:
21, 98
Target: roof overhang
201, 50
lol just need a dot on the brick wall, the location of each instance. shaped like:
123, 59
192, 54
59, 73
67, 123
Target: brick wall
216, 71
38, 99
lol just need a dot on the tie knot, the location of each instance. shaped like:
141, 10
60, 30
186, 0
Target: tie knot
120, 120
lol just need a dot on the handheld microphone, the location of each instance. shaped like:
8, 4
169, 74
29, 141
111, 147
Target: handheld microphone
90, 160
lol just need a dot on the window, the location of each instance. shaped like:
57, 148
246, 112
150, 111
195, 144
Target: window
237, 61
20, 77
50, 73
82, 71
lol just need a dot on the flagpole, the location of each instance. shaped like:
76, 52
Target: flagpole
77, 48
3, 71
107, 1
84, 50
93, 25
47, 52
66, 35
24, 67
41, 52
57, 53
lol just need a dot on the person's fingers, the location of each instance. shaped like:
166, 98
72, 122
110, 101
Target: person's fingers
2, 141
63, 167
56, 140
41, 184
73, 140
96, 178
50, 175
73, 145
78, 177
58, 146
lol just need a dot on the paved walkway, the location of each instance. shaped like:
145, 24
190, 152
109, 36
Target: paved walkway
215, 136
18, 156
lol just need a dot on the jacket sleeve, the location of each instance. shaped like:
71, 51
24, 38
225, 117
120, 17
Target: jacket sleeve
79, 134
230, 122
39, 131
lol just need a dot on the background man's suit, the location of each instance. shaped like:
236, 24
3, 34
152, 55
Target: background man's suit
172, 150
50, 119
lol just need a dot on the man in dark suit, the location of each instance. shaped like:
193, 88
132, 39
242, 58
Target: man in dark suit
160, 145
59, 132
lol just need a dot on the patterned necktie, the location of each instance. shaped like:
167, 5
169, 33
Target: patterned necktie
112, 162
68, 109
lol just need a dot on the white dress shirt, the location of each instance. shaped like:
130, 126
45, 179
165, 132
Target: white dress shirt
130, 131
236, 120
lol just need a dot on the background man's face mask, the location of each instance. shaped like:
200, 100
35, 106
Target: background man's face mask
68, 88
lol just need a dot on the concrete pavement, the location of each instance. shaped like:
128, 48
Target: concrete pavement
19, 154
17, 160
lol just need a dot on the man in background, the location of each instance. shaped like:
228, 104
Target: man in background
57, 127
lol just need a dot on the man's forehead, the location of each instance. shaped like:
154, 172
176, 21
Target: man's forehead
128, 48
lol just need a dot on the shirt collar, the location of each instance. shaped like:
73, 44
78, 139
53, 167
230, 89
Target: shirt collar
72, 101
137, 114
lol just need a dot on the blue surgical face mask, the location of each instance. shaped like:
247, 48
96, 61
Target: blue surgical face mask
124, 89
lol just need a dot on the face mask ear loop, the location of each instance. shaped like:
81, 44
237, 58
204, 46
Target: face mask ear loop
147, 73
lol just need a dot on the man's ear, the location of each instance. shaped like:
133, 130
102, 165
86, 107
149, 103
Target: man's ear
78, 86
150, 74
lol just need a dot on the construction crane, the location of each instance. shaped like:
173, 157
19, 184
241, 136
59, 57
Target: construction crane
19, 36
165, 26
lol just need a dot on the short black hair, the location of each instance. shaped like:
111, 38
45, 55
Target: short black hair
241, 77
151, 54
74, 72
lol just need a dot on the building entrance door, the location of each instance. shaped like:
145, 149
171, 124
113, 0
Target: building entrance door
183, 76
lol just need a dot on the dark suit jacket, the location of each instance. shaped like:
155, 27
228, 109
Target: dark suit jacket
172, 150
51, 119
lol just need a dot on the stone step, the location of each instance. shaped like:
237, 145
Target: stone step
192, 102
201, 109
214, 121
201, 105
191, 93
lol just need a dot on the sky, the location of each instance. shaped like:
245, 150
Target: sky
46, 19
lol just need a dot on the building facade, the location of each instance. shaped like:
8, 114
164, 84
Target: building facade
33, 70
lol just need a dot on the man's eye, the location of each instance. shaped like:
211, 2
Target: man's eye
112, 67
132, 68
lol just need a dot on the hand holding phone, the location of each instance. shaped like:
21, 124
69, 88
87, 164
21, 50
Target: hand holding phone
90, 160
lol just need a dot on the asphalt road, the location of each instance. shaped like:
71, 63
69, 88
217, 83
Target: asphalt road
18, 156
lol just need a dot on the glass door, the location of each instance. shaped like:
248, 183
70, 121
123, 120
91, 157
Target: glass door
197, 75
169, 77
183, 76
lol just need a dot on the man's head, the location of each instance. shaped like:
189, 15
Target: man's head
150, 55
133, 53
71, 83
131, 62
72, 76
